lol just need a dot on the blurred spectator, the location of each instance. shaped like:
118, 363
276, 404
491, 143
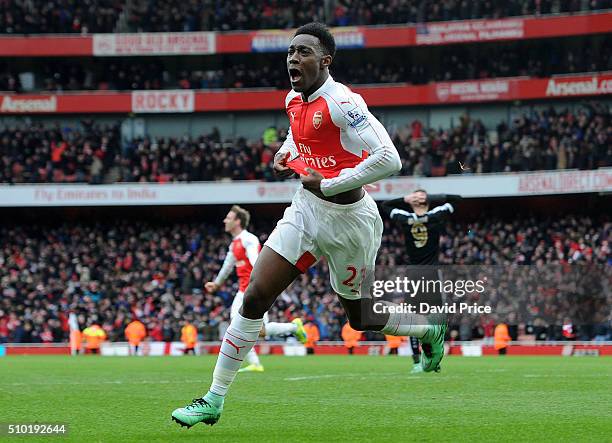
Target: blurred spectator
135, 332
313, 335
502, 338
393, 343
93, 335
351, 337
189, 337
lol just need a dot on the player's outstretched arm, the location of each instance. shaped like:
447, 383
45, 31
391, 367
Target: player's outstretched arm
396, 203
440, 199
211, 287
440, 213
437, 214
226, 269
403, 216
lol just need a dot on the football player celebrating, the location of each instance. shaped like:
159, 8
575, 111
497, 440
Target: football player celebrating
339, 147
242, 255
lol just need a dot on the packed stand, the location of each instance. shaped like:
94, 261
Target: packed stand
547, 140
59, 16
109, 272
166, 15
536, 59
373, 12
408, 65
39, 154
209, 15
72, 16
205, 158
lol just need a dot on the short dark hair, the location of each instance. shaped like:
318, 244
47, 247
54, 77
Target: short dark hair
424, 192
241, 214
319, 30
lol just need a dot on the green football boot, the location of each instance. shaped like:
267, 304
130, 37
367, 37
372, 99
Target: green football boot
199, 410
252, 368
417, 368
300, 333
432, 345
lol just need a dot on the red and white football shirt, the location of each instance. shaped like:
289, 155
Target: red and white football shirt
242, 254
334, 133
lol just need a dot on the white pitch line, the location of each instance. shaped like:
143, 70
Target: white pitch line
566, 375
104, 382
317, 377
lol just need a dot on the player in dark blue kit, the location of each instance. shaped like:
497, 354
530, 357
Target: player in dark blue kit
422, 227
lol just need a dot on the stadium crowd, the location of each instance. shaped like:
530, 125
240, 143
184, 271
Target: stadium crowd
546, 140
167, 16
72, 16
536, 59
59, 16
110, 272
374, 12
43, 155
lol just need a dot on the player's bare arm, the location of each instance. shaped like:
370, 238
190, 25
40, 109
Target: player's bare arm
312, 182
211, 287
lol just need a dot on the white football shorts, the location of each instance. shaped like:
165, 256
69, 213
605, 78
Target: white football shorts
348, 236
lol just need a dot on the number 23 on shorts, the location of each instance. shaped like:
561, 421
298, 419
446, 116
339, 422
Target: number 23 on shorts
352, 274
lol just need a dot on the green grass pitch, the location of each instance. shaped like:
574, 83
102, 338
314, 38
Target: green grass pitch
315, 398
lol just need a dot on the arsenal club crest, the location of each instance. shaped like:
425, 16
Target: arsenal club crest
317, 119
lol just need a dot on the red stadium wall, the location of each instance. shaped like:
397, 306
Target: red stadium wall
371, 348
37, 350
541, 349
186, 101
276, 40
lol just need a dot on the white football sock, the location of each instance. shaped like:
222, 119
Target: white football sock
274, 328
401, 324
238, 340
252, 358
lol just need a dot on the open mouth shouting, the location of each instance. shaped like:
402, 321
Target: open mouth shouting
295, 75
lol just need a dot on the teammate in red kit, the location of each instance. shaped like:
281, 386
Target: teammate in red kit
344, 148
242, 254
